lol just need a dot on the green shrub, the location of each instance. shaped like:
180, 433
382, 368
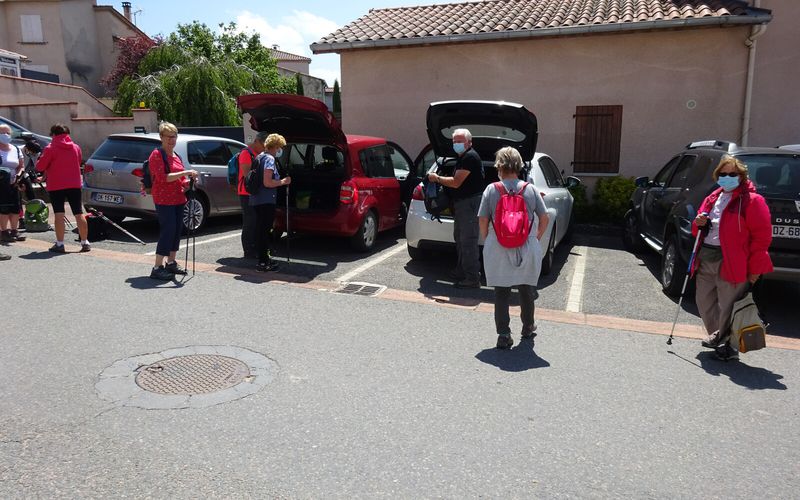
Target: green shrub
612, 196
580, 206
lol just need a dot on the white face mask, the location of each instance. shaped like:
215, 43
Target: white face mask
279, 153
5, 138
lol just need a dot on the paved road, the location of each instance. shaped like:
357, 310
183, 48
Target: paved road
373, 397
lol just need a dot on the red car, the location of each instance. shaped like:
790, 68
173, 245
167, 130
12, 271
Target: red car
342, 185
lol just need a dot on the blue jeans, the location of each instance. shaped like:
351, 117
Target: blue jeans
170, 222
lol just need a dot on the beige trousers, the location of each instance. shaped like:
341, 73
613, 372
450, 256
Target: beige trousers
715, 297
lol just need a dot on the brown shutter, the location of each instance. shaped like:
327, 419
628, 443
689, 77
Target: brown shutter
598, 131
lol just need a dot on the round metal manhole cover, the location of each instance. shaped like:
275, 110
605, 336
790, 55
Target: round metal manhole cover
193, 374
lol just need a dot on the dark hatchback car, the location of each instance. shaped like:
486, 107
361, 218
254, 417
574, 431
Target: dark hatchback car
662, 208
342, 185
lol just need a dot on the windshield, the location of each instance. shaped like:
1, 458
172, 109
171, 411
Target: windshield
487, 131
126, 150
776, 175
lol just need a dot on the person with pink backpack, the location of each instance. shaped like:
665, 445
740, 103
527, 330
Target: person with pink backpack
512, 252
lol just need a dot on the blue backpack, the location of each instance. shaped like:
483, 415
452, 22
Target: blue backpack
233, 167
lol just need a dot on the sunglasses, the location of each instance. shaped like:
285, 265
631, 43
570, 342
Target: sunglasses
729, 174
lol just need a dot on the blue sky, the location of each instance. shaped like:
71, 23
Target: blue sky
291, 25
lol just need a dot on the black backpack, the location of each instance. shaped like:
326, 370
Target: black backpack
254, 179
436, 197
147, 181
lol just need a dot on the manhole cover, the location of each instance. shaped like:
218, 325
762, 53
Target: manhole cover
364, 289
193, 374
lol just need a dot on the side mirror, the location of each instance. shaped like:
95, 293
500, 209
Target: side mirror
573, 181
642, 181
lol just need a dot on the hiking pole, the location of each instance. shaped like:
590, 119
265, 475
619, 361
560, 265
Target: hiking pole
288, 234
100, 214
189, 225
700, 232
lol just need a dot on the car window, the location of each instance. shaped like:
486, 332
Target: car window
122, 149
775, 175
234, 149
551, 173
682, 171
663, 176
208, 153
376, 161
304, 158
399, 162
700, 173
15, 131
425, 163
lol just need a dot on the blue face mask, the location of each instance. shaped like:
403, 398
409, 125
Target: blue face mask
5, 138
728, 183
279, 153
459, 147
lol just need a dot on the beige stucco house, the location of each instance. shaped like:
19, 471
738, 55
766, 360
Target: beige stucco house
71, 38
618, 86
290, 65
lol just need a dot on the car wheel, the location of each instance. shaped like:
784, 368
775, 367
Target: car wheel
630, 237
195, 213
364, 239
547, 260
673, 269
416, 253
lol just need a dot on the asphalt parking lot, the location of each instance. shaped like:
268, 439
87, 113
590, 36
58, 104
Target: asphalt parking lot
593, 274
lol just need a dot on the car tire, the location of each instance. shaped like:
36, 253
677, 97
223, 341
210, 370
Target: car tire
416, 253
196, 208
631, 238
673, 269
367, 233
547, 260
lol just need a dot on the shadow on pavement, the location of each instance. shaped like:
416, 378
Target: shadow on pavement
739, 373
43, 255
519, 358
148, 283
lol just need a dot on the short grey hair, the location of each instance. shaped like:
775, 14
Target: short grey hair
508, 160
262, 136
462, 131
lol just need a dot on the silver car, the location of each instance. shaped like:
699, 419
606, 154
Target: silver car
493, 125
112, 176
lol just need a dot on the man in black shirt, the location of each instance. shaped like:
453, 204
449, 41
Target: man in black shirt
466, 186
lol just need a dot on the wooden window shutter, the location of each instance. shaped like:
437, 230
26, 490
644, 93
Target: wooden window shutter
598, 132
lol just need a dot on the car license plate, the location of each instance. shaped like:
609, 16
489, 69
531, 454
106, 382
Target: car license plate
108, 198
786, 232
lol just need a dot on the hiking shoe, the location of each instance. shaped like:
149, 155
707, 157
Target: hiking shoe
56, 248
174, 268
528, 334
504, 341
467, 284
711, 342
725, 353
4, 256
6, 237
160, 273
15, 236
85, 247
264, 267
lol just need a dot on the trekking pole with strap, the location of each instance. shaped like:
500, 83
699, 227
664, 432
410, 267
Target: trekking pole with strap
288, 233
700, 232
100, 214
189, 226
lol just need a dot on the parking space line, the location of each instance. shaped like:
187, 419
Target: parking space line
210, 240
372, 262
575, 297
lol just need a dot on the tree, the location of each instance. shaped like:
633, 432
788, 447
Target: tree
194, 77
337, 97
131, 52
299, 83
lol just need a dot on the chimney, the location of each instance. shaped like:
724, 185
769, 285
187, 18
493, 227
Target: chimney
126, 9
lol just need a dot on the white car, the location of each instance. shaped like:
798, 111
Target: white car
493, 125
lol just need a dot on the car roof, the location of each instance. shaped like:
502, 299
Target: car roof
363, 140
181, 137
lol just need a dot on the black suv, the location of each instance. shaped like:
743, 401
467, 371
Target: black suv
662, 208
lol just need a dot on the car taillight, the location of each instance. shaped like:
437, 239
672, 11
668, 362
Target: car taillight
417, 193
87, 168
348, 193
138, 172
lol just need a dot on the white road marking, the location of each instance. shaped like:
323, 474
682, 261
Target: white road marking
372, 262
202, 242
575, 297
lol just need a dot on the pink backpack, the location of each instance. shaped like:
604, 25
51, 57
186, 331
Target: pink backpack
511, 223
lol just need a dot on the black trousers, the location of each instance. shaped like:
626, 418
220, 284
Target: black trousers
265, 216
527, 296
248, 226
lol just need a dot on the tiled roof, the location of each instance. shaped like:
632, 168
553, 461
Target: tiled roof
287, 56
497, 19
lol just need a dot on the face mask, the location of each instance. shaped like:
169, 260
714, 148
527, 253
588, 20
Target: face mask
459, 147
5, 138
278, 153
728, 183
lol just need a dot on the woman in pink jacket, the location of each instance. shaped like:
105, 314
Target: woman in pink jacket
61, 164
734, 251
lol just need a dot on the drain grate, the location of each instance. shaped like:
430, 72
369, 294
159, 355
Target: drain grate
193, 374
364, 289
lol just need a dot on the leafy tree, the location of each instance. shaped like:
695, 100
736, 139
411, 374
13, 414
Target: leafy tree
337, 97
194, 77
131, 52
299, 83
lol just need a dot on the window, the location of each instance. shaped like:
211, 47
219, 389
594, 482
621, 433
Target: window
15, 131
208, 153
678, 179
31, 28
662, 176
551, 173
426, 162
598, 132
376, 162
399, 163
126, 150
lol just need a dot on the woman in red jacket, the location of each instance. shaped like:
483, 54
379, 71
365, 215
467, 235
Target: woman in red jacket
734, 251
61, 163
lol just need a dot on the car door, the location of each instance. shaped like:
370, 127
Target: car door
668, 195
210, 158
404, 172
381, 181
558, 197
